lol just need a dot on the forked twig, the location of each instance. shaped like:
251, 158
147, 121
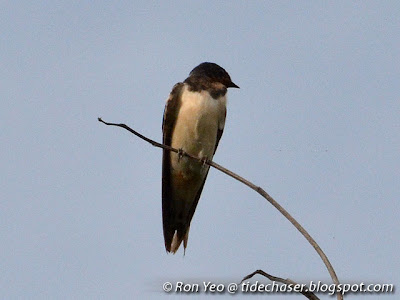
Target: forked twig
306, 293
250, 185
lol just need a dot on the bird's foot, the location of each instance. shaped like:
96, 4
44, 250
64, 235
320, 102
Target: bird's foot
204, 161
180, 154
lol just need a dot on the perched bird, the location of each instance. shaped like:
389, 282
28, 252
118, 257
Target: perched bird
194, 119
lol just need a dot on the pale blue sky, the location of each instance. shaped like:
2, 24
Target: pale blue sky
315, 123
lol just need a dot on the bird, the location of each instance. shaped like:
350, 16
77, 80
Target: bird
193, 121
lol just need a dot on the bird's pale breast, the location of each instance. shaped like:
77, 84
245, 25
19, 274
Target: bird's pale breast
199, 118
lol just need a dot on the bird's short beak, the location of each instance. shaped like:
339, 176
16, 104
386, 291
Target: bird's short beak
232, 85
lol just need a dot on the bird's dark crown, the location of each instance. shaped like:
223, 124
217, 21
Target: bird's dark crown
212, 72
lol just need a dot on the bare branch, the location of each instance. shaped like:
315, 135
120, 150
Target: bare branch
307, 294
250, 185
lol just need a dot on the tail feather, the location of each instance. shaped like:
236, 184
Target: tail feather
177, 241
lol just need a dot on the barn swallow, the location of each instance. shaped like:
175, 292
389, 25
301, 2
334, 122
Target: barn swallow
194, 119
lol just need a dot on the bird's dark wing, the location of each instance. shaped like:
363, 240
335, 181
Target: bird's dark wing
220, 132
170, 114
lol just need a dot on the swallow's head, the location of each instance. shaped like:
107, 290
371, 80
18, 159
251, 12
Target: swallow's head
214, 73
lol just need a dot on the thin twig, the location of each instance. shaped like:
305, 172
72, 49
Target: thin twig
250, 185
306, 293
